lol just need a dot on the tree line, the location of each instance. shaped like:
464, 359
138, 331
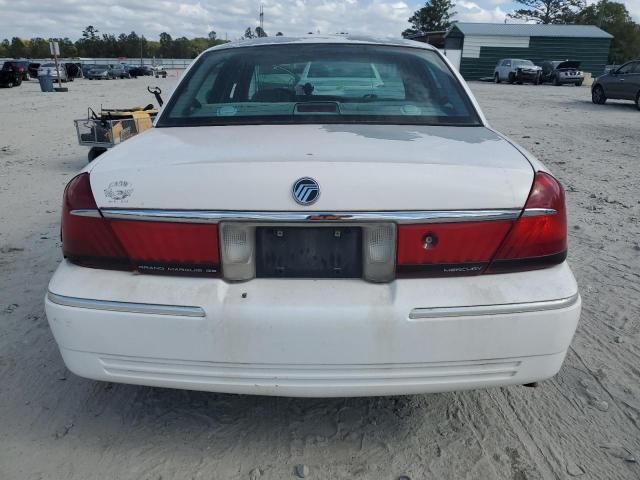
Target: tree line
95, 44
612, 17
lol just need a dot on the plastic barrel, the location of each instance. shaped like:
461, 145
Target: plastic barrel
46, 83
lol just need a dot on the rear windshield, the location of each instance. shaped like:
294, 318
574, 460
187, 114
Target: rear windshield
319, 83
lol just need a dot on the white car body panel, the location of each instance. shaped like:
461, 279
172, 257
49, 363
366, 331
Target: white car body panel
352, 163
304, 337
315, 338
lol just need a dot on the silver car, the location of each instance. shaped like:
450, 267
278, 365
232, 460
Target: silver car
622, 84
562, 72
517, 70
51, 70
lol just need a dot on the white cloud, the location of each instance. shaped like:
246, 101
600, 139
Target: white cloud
47, 18
473, 12
31, 18
634, 8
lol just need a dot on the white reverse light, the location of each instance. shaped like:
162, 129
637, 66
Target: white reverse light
237, 251
379, 245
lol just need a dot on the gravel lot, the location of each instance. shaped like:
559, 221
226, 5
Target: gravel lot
584, 423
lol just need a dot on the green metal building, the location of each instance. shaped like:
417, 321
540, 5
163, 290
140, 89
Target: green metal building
475, 48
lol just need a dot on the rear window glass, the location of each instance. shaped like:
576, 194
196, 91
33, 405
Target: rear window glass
319, 83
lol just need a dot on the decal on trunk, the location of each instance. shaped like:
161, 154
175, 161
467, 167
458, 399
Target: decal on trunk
118, 191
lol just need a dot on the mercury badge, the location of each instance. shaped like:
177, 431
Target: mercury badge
305, 191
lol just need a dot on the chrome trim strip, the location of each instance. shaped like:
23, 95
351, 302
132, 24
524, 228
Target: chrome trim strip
538, 212
402, 217
127, 307
501, 309
86, 212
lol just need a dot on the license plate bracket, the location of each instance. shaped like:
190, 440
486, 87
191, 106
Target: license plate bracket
308, 252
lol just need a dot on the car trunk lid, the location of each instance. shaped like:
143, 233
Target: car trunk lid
358, 168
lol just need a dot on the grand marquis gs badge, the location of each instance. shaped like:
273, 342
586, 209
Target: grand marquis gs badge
119, 190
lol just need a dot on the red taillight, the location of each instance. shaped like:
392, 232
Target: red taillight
169, 247
448, 248
91, 240
87, 238
537, 239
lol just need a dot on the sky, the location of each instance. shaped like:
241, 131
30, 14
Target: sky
229, 18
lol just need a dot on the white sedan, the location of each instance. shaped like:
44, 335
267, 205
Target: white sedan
266, 240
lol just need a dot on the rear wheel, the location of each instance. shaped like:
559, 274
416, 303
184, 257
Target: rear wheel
496, 78
598, 96
512, 78
638, 100
95, 152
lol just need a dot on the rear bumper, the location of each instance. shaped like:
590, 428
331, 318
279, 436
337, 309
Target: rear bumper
570, 78
318, 338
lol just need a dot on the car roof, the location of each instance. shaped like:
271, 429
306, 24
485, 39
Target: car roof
324, 39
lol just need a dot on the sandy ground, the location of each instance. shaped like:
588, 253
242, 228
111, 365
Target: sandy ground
584, 423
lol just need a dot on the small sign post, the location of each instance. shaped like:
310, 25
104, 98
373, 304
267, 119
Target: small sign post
54, 47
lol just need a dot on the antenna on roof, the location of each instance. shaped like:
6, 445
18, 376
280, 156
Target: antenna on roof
262, 17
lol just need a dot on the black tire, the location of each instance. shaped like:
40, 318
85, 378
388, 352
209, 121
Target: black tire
511, 78
9, 85
638, 100
95, 152
579, 83
496, 78
598, 96
556, 81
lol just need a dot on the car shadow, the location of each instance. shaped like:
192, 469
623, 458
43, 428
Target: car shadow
588, 105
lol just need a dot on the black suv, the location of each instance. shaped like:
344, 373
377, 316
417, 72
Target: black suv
21, 67
10, 76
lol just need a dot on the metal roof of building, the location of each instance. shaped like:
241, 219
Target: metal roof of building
531, 30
